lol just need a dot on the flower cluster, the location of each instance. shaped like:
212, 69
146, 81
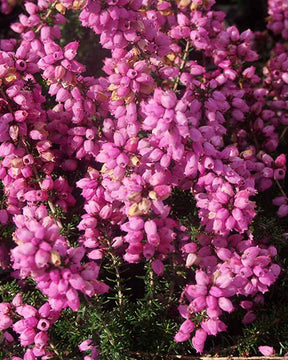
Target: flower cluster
278, 18
164, 116
228, 267
32, 325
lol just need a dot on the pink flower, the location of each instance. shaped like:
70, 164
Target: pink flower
85, 345
168, 100
41, 339
181, 336
43, 325
266, 350
225, 304
199, 339
26, 311
249, 317
73, 299
27, 337
5, 322
158, 267
29, 355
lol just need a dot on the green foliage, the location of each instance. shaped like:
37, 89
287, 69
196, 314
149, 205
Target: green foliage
10, 288
137, 327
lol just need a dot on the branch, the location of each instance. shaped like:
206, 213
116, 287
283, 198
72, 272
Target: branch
5, 97
283, 132
48, 14
151, 283
172, 284
281, 188
186, 52
105, 328
55, 350
118, 280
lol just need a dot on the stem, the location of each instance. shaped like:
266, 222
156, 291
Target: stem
49, 12
5, 97
55, 350
172, 284
115, 263
118, 281
254, 136
281, 188
283, 132
151, 283
105, 329
186, 52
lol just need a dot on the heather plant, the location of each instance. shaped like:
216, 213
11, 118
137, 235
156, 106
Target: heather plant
132, 193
